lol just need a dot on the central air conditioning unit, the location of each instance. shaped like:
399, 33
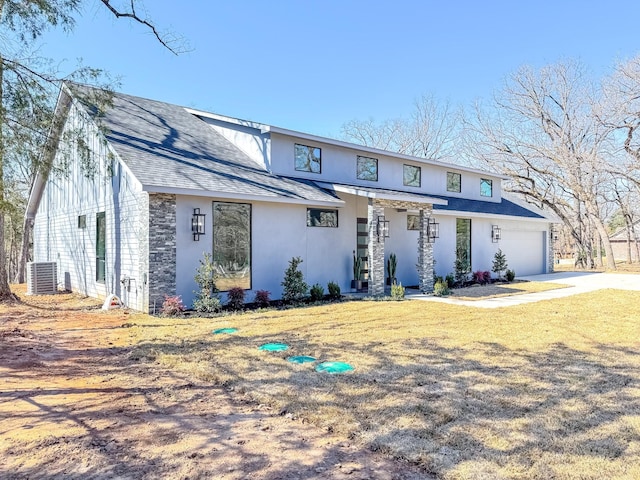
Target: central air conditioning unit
42, 278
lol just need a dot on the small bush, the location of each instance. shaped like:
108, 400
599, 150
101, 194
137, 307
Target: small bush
294, 287
235, 298
451, 280
205, 304
441, 288
481, 277
262, 298
397, 291
334, 290
511, 275
172, 306
316, 292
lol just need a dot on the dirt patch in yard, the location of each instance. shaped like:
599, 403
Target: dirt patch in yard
75, 403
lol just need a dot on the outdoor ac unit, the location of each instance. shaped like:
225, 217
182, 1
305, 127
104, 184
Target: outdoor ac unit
42, 278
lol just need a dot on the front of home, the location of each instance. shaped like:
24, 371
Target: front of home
162, 185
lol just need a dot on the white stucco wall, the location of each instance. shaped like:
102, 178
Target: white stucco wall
68, 195
279, 232
339, 165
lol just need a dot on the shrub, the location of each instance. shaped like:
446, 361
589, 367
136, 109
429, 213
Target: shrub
499, 263
461, 266
172, 306
392, 265
441, 288
262, 298
316, 292
481, 277
235, 298
451, 280
206, 276
204, 304
397, 291
334, 290
511, 275
294, 287
207, 299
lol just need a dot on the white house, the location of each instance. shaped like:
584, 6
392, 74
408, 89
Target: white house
124, 223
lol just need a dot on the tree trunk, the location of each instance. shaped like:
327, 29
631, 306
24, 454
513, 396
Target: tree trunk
24, 251
5, 291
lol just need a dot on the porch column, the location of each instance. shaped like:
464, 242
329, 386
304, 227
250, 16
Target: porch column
425, 253
376, 249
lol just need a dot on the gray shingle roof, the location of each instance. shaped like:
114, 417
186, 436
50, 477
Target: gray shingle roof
165, 147
505, 207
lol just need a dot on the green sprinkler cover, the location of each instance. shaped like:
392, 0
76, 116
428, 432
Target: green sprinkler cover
334, 367
301, 359
274, 347
225, 330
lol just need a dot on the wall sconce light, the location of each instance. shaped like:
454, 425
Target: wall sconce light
433, 230
382, 228
496, 233
197, 224
554, 233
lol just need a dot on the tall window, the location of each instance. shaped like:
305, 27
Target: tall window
101, 251
463, 243
411, 176
486, 187
454, 182
308, 159
367, 168
232, 244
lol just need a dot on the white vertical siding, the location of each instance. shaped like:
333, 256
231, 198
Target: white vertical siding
72, 191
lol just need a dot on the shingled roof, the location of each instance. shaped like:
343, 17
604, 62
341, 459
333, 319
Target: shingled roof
171, 150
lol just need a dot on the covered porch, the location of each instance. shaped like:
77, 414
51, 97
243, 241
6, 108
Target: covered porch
379, 202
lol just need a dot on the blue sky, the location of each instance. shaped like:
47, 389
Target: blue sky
313, 65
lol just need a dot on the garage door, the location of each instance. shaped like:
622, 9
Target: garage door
525, 251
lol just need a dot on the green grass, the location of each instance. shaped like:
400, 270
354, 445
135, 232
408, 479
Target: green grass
545, 390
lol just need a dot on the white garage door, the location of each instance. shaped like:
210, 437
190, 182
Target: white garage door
525, 251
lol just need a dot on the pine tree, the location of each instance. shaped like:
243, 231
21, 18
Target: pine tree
294, 287
499, 263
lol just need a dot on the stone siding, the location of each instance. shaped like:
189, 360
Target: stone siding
161, 249
376, 250
425, 253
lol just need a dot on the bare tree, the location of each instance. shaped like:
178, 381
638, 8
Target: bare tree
428, 133
541, 131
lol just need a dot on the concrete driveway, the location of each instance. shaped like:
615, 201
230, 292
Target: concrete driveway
577, 282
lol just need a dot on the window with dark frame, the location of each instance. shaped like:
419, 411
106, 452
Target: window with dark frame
308, 159
101, 250
486, 187
463, 243
413, 222
367, 168
454, 182
82, 221
232, 245
318, 217
411, 176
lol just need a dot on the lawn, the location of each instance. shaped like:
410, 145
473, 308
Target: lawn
546, 390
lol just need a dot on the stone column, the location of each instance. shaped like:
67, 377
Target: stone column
162, 248
376, 250
425, 253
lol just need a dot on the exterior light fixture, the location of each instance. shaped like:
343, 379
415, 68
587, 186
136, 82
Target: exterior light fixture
197, 224
554, 234
496, 233
382, 228
433, 230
